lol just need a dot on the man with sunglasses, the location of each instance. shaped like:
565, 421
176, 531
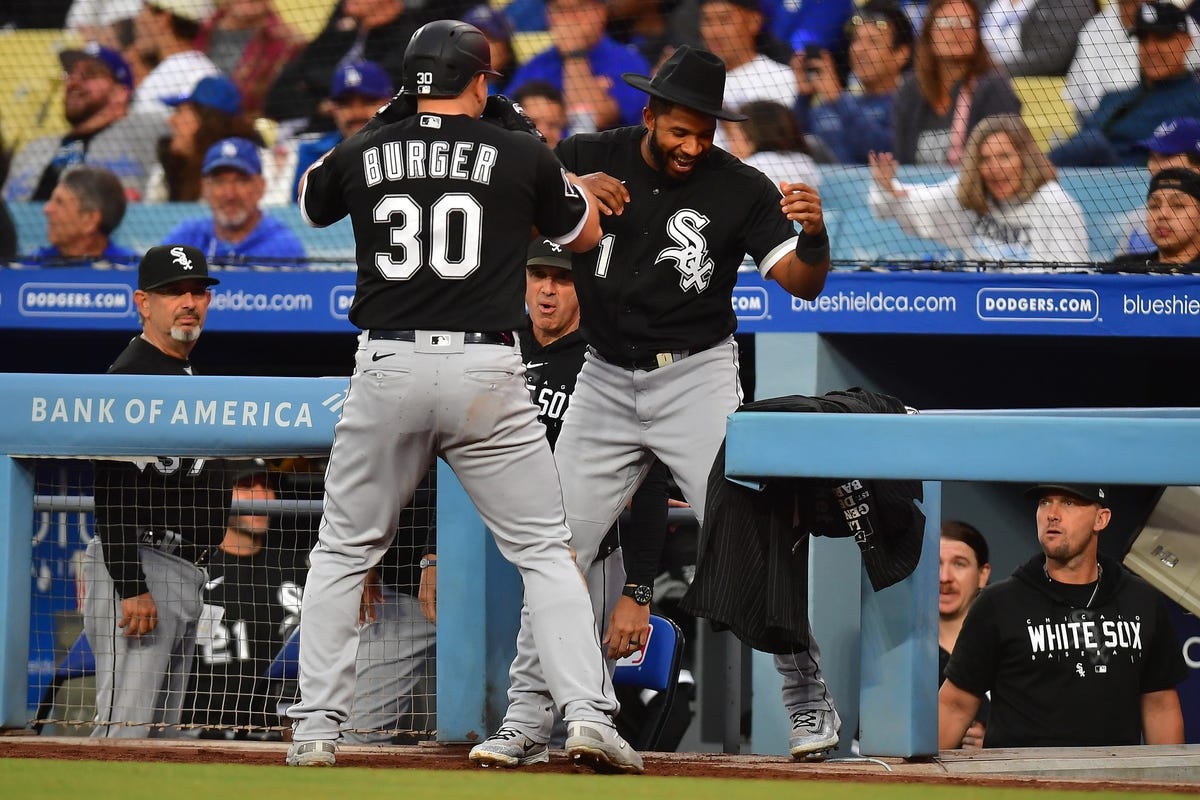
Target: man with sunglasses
1075, 650
854, 119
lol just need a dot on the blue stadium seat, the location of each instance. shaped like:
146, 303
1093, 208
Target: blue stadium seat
656, 666
286, 663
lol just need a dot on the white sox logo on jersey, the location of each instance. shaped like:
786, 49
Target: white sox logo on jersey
691, 257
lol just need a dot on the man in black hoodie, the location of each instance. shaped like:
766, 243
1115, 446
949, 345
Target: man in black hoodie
1075, 650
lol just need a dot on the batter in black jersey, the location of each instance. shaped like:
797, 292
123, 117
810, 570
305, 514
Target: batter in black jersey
1075, 650
157, 520
443, 205
661, 375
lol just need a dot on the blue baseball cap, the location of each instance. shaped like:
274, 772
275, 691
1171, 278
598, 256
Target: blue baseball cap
1175, 137
233, 153
215, 91
491, 22
364, 78
113, 61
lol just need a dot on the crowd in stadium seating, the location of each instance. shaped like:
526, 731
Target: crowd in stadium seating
160, 82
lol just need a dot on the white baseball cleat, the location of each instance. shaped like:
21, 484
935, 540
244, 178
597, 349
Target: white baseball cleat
508, 747
317, 753
814, 734
600, 748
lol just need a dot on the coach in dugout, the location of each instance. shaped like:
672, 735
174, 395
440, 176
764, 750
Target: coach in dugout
157, 521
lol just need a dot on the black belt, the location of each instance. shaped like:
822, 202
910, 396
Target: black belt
653, 361
469, 337
173, 544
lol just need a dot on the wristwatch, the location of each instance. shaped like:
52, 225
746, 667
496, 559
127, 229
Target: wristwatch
641, 593
427, 562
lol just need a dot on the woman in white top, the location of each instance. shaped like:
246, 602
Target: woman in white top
1004, 205
771, 142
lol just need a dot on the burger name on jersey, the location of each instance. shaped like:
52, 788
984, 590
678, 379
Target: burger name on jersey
414, 159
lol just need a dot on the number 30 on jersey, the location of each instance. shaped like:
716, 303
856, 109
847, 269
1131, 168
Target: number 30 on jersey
453, 226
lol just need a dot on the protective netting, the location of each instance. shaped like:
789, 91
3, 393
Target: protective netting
813, 75
221, 546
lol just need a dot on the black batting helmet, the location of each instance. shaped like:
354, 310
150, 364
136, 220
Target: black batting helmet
443, 56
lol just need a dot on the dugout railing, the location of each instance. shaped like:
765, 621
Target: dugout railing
479, 594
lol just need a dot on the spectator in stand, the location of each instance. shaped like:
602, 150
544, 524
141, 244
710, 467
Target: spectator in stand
770, 141
586, 65
1004, 205
1035, 37
359, 89
167, 31
358, 30
816, 22
238, 231
1173, 219
97, 84
954, 85
545, 106
1175, 143
730, 29
93, 20
1106, 59
249, 42
83, 211
211, 112
1112, 134
499, 33
850, 124
643, 25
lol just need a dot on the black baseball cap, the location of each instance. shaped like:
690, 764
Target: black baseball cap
1089, 492
168, 263
543, 252
1158, 19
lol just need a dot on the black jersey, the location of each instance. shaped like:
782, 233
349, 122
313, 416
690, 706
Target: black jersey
255, 604
663, 275
1064, 670
183, 495
442, 209
550, 374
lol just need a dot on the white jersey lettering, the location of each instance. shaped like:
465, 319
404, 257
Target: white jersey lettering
691, 256
410, 160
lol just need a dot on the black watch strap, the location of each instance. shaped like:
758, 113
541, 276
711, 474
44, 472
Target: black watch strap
641, 593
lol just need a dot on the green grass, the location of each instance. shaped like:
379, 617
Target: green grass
34, 779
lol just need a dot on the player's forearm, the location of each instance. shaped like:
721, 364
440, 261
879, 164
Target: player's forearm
1162, 717
956, 711
801, 278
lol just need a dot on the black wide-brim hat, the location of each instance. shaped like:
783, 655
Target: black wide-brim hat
691, 78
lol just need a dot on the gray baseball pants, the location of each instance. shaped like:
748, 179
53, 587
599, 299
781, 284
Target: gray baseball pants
468, 403
141, 684
617, 422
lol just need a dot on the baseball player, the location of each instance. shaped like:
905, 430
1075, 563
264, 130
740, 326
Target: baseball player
442, 204
157, 521
251, 605
661, 373
1073, 649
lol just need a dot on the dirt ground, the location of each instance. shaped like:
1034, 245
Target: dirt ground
454, 757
